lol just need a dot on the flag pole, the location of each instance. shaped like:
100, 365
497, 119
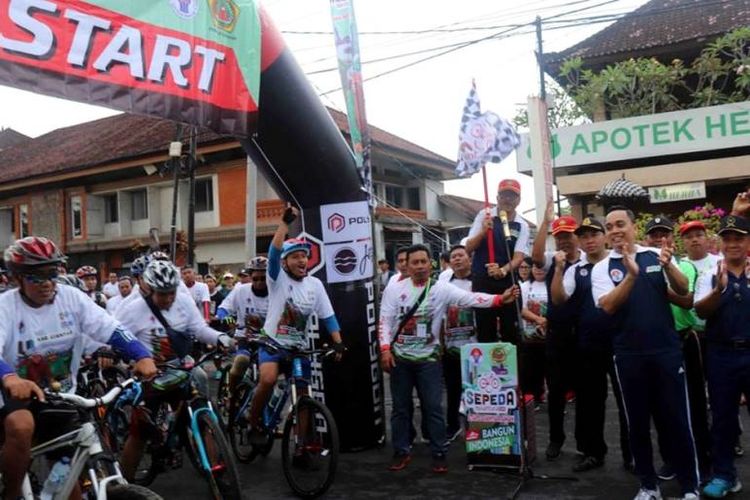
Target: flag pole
490, 239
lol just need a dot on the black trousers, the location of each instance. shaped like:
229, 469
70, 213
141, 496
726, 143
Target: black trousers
533, 369
696, 388
561, 377
453, 386
497, 323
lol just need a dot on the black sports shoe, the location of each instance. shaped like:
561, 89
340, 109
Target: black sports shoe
666, 473
588, 463
553, 451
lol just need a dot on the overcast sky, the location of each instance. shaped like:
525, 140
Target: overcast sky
421, 103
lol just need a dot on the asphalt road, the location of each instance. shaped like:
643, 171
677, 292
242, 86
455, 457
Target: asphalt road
364, 475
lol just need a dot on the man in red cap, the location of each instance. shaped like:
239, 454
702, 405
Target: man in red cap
495, 276
560, 339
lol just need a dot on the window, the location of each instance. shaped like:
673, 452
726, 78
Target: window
23, 215
204, 195
111, 209
139, 204
76, 216
412, 198
393, 195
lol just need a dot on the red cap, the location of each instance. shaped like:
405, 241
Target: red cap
564, 224
509, 185
693, 224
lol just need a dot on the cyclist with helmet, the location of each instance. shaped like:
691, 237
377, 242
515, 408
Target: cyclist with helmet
249, 304
42, 335
293, 297
89, 276
166, 322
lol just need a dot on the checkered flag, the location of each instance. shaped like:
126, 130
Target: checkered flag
484, 137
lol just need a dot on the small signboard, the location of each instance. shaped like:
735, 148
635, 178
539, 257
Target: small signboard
677, 192
491, 395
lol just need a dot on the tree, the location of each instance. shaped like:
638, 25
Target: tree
563, 111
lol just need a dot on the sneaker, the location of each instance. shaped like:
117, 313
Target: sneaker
666, 473
553, 451
690, 496
719, 488
452, 435
588, 463
439, 464
644, 494
399, 462
258, 437
738, 450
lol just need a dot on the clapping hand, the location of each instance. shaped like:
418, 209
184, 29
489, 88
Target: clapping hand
665, 256
741, 205
722, 276
628, 259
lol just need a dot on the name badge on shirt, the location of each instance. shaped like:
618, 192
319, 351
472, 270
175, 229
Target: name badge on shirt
653, 269
421, 329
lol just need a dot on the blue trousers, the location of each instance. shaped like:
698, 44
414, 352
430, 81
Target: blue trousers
427, 377
728, 377
653, 385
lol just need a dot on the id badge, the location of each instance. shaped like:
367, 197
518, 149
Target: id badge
422, 330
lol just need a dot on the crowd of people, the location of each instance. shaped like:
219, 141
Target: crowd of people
670, 333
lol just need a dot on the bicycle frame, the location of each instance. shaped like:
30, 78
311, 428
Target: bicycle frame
202, 455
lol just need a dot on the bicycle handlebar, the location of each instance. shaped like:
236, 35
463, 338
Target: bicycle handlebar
105, 400
261, 342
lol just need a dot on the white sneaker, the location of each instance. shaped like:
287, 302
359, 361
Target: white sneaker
644, 494
690, 496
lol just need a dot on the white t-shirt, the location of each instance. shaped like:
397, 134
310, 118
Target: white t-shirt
200, 294
291, 303
459, 324
394, 279
446, 274
111, 289
707, 268
534, 298
522, 242
249, 309
45, 344
114, 303
183, 317
420, 338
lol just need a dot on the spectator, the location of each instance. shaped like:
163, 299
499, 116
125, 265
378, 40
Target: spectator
110, 288
534, 313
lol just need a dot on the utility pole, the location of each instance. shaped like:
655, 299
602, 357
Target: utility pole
543, 95
175, 153
251, 206
192, 164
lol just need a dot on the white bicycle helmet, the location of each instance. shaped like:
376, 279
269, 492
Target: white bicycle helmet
258, 263
161, 276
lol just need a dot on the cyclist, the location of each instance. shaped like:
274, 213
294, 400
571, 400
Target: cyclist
124, 289
43, 324
293, 297
88, 275
165, 321
249, 304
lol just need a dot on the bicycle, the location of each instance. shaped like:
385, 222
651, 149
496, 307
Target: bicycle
310, 435
92, 466
182, 418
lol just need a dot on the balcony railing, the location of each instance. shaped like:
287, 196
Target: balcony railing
401, 212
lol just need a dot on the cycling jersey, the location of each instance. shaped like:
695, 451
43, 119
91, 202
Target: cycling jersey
460, 328
535, 298
419, 338
182, 317
291, 303
45, 344
249, 308
114, 303
111, 290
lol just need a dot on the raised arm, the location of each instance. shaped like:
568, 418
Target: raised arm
540, 241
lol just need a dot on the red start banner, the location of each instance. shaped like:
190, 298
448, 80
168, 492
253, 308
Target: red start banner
193, 61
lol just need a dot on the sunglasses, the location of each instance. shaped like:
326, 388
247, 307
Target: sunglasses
38, 278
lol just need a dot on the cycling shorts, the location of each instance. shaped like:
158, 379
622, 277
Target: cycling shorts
284, 360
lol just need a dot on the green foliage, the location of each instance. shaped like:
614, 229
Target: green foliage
708, 214
563, 111
634, 87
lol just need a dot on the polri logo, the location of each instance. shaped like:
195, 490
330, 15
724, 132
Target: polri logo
336, 223
186, 9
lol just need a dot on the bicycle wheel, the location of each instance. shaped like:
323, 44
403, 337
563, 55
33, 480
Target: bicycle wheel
238, 429
130, 492
310, 448
222, 474
223, 397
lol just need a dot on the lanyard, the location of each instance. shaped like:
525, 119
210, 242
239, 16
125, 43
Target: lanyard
417, 291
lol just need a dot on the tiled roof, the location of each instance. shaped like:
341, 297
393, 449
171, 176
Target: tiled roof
660, 23
125, 136
9, 138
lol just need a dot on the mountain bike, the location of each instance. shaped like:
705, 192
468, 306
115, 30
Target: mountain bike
310, 439
92, 466
176, 416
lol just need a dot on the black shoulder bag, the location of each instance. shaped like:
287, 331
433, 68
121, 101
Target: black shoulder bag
410, 313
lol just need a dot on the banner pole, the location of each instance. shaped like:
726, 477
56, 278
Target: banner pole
490, 239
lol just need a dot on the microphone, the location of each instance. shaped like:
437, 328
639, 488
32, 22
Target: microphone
504, 220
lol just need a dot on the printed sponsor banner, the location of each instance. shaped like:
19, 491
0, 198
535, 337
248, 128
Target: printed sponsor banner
350, 71
193, 61
489, 375
347, 237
